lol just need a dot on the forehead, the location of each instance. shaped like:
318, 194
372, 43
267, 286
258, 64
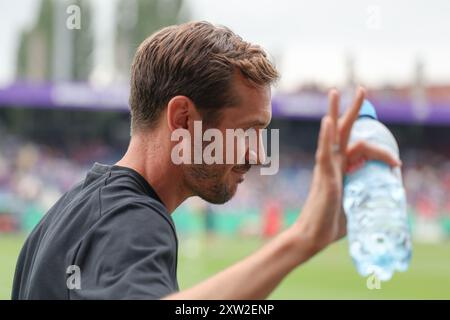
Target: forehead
253, 107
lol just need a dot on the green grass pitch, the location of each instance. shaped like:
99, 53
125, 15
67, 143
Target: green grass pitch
329, 275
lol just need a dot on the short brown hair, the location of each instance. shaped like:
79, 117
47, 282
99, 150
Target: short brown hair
197, 60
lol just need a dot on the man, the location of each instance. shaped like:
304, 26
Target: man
112, 235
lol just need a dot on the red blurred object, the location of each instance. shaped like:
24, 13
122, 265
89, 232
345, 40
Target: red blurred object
426, 208
7, 223
272, 219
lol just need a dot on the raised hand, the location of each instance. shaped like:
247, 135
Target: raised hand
322, 220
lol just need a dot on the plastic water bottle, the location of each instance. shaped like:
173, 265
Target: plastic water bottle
375, 205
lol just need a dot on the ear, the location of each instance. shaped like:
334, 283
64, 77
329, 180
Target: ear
181, 112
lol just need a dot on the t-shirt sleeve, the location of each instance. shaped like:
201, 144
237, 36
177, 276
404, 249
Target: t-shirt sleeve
131, 253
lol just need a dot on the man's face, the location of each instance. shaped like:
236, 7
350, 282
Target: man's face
217, 183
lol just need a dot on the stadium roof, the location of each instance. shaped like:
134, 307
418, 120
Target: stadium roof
391, 108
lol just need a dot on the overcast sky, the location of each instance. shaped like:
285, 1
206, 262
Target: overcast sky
309, 40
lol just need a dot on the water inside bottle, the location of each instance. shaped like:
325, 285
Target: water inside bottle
378, 230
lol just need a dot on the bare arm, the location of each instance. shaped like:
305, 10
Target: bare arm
256, 276
322, 220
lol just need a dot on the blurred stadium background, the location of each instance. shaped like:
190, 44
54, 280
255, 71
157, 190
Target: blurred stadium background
63, 106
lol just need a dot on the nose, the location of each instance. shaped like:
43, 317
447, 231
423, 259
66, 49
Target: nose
258, 156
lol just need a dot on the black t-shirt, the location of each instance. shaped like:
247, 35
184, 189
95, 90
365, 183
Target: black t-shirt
110, 237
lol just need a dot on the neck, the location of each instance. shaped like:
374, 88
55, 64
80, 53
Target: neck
152, 161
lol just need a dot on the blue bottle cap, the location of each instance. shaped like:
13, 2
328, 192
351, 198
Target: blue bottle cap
368, 110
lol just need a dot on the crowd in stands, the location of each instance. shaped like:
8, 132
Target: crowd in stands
34, 176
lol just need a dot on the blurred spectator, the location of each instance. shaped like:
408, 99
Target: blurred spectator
33, 177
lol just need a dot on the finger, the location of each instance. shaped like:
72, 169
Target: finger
364, 151
350, 117
342, 223
333, 112
354, 166
324, 147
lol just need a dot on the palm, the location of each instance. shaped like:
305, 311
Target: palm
323, 218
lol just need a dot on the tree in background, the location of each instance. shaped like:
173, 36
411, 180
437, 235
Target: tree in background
83, 43
35, 54
50, 51
136, 20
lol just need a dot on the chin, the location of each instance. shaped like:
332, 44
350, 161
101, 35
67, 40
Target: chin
225, 194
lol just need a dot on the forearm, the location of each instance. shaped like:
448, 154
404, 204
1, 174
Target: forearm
256, 276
